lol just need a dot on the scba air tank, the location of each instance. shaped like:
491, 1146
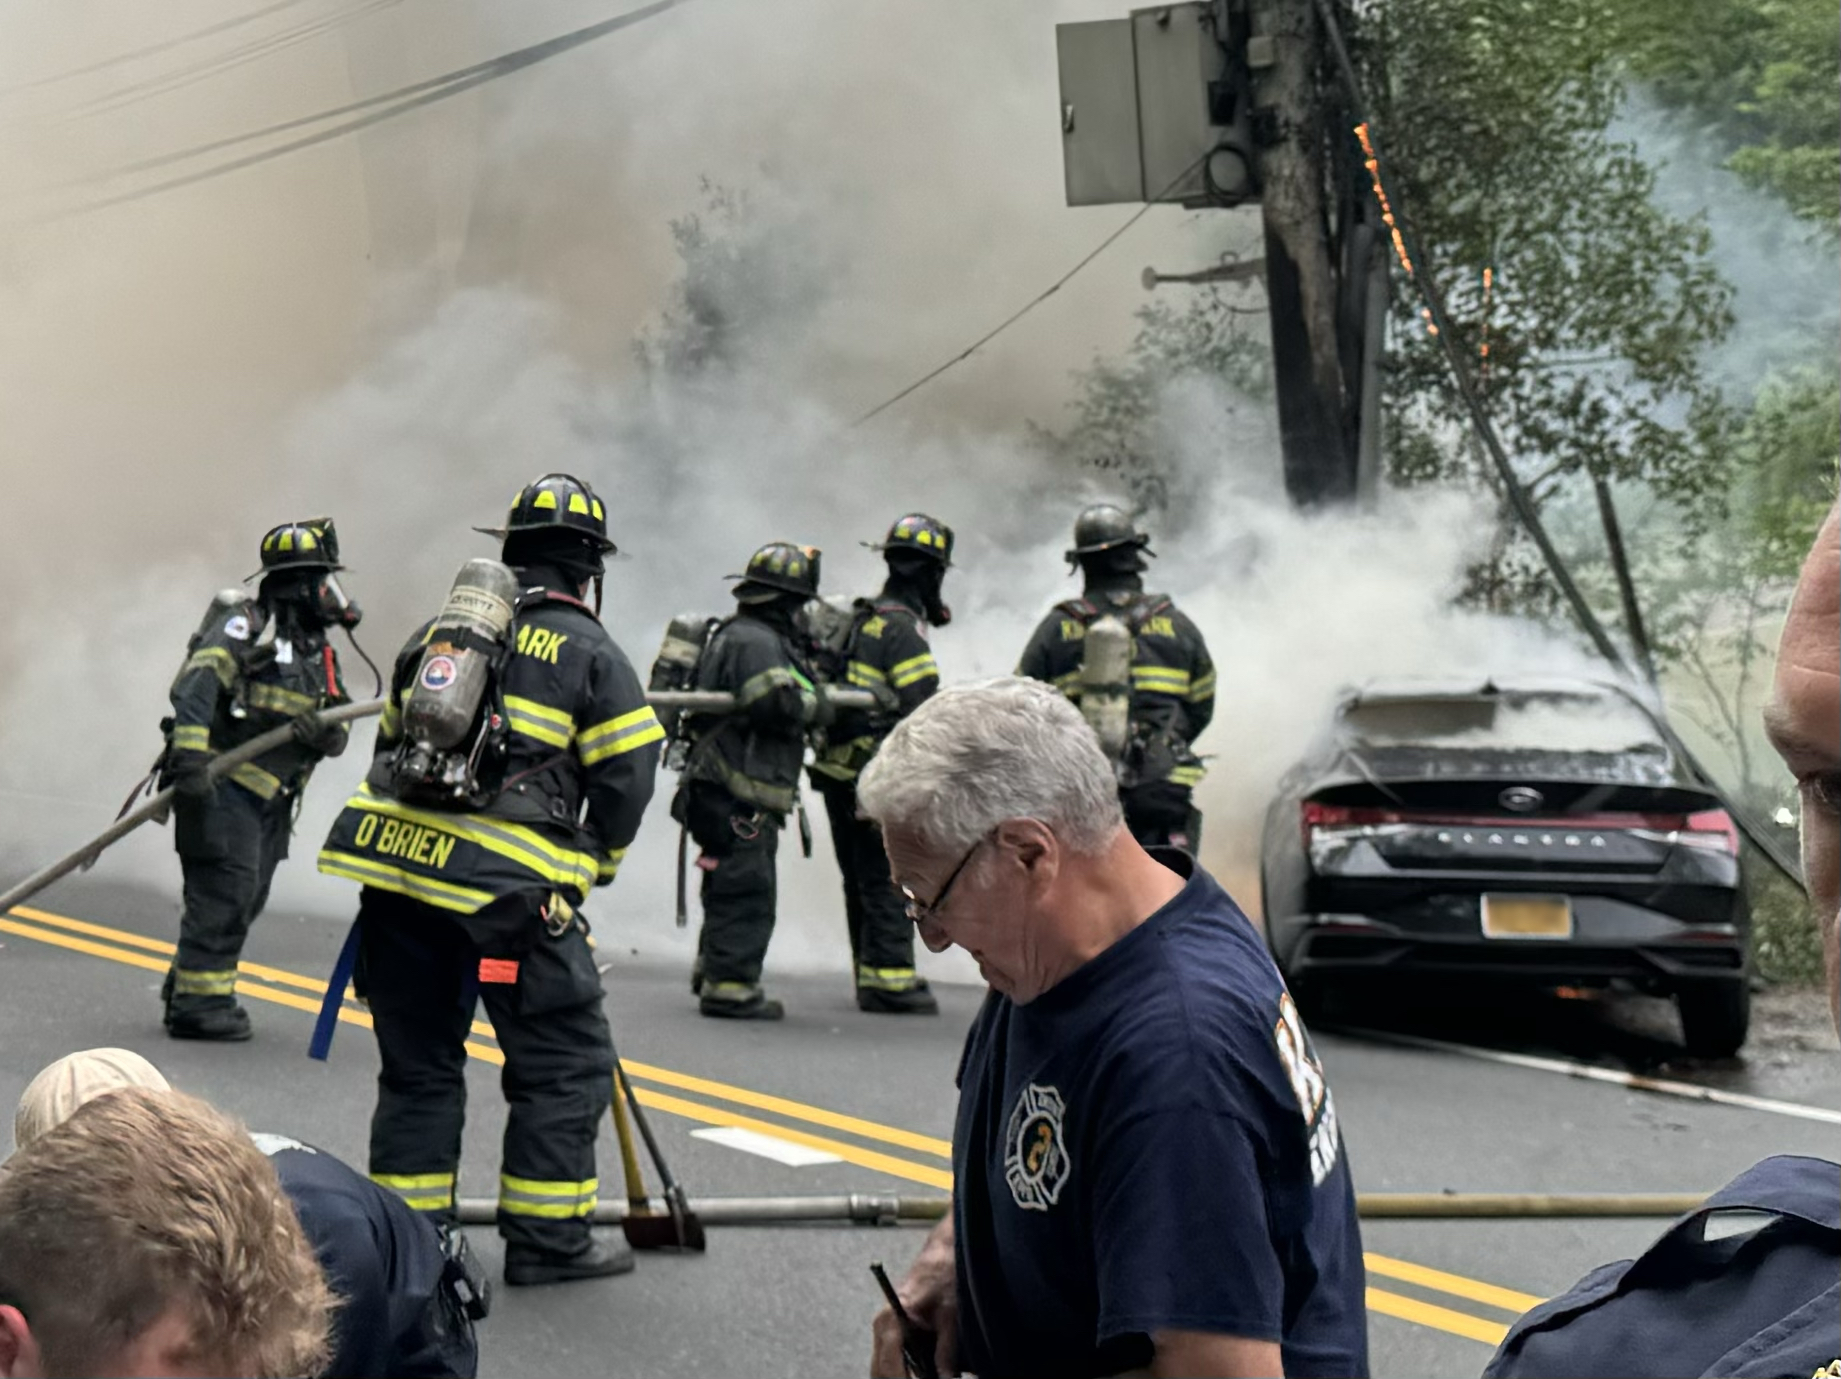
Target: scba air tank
456, 664
1105, 683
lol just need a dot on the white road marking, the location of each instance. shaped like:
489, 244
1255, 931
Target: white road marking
1689, 1091
767, 1146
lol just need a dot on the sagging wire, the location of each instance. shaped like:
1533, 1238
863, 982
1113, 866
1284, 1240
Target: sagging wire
413, 97
1033, 302
1526, 513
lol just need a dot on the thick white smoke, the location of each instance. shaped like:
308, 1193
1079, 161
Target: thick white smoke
402, 329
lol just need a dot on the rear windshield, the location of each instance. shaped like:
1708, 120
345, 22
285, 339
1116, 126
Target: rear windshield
1546, 722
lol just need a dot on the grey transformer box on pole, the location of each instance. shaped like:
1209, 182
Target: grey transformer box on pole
1158, 107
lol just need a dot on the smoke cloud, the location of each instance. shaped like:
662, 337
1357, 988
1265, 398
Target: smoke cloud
401, 328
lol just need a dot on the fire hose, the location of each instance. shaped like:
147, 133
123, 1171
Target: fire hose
157, 805
869, 1209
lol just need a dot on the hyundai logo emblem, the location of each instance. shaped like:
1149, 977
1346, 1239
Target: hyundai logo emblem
1521, 799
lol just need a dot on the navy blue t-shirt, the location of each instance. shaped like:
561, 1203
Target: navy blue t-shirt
385, 1264
1150, 1145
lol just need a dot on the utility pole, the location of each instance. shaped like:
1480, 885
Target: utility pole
1218, 103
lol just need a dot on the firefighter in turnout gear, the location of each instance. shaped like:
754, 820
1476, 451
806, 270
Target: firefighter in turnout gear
475, 895
1172, 685
886, 653
253, 665
741, 778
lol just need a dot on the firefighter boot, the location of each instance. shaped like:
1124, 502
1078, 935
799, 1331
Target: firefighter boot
226, 1024
527, 1266
913, 1000
738, 1001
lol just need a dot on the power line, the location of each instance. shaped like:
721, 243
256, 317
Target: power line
207, 67
420, 94
164, 45
1031, 304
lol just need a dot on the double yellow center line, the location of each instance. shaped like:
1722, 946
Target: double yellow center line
281, 987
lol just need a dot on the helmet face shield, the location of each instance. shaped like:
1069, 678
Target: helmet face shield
337, 609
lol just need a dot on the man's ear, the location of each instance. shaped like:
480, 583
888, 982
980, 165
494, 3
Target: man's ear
18, 1348
1036, 847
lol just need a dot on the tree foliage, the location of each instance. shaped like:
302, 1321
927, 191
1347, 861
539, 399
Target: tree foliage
1760, 76
1588, 337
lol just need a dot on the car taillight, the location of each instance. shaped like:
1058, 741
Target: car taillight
1313, 814
1711, 828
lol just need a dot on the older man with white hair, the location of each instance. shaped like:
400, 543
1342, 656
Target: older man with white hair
1147, 1168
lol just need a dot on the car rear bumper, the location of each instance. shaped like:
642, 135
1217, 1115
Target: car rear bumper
1612, 940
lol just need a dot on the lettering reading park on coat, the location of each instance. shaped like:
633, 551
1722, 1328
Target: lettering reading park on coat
540, 643
429, 847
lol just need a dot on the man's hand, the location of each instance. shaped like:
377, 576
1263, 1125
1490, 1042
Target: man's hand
327, 739
186, 772
930, 1292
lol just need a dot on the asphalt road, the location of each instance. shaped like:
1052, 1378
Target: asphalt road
873, 1096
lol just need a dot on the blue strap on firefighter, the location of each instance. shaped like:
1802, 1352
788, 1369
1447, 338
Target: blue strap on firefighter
328, 1022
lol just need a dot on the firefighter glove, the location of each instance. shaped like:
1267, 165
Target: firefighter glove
327, 739
188, 774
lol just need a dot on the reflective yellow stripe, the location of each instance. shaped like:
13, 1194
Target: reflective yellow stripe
540, 722
913, 670
1068, 683
1202, 688
1160, 679
866, 675
264, 785
220, 983
216, 660
563, 866
759, 686
441, 894
616, 736
1187, 775
887, 978
279, 700
189, 737
391, 723
610, 864
555, 1201
420, 1191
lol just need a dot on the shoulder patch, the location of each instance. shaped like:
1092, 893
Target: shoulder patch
1305, 1072
873, 627
236, 627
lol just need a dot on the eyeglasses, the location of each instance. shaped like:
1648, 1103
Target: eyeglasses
919, 911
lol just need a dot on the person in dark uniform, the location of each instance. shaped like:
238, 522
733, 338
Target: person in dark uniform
482, 905
887, 654
1148, 1173
253, 665
402, 1287
1750, 1283
741, 778
1172, 674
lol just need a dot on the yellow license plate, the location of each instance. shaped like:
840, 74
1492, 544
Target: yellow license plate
1527, 916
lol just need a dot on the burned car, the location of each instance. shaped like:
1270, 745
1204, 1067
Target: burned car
1540, 831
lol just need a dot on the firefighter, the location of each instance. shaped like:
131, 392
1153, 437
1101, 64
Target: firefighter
482, 903
254, 665
741, 778
887, 654
1172, 676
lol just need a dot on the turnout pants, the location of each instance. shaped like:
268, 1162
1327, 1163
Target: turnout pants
739, 889
881, 935
422, 970
1163, 814
229, 844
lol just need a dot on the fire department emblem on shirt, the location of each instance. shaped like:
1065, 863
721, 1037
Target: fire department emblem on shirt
1036, 1163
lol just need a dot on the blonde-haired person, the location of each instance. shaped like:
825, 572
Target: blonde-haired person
147, 1235
408, 1295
